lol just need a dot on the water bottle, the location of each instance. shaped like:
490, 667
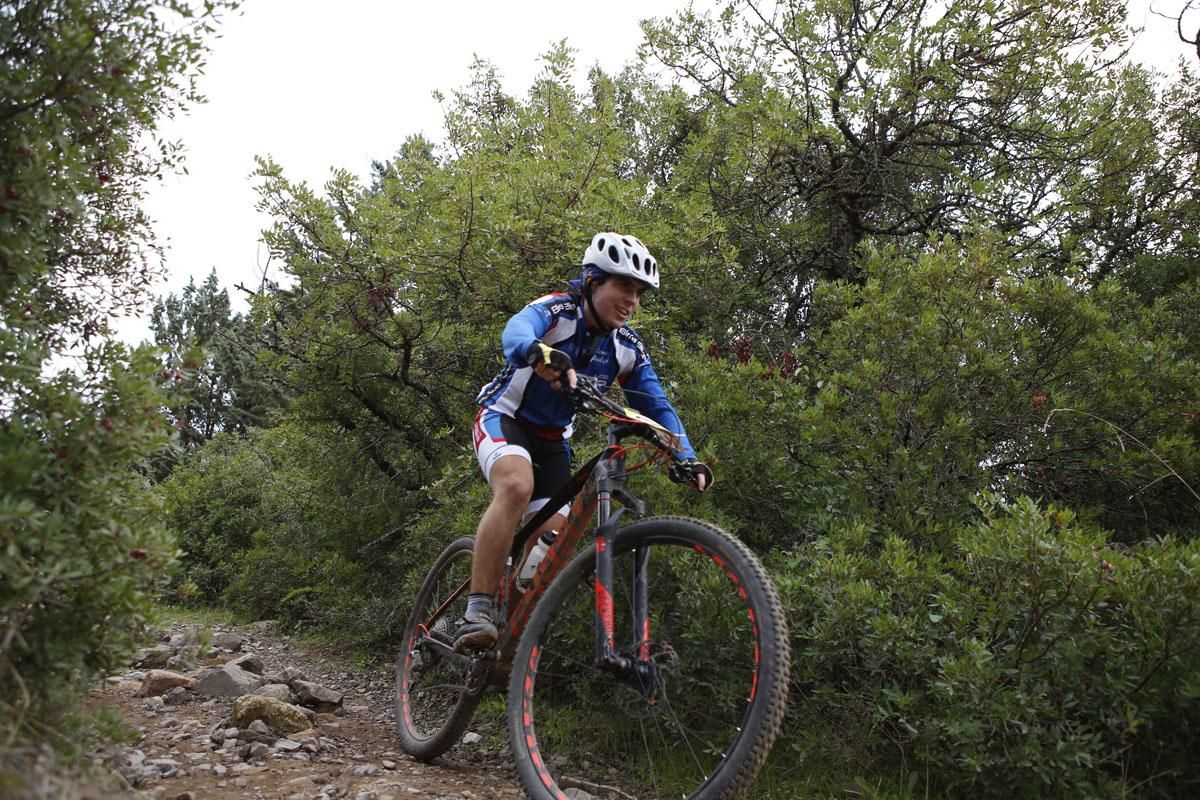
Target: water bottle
535, 557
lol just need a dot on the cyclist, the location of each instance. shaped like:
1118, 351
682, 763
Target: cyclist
524, 420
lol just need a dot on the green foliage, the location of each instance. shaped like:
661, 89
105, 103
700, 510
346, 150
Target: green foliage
910, 259
85, 85
211, 359
944, 376
1028, 658
290, 523
811, 129
80, 534
81, 543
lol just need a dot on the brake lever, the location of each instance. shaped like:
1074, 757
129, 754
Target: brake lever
586, 396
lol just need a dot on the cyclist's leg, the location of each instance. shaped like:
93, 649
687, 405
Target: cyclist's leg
511, 481
507, 466
523, 470
551, 470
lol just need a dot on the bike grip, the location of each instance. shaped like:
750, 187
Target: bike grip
685, 470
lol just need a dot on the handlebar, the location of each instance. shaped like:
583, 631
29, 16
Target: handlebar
587, 396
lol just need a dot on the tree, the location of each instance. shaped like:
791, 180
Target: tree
880, 444
817, 128
1183, 30
85, 85
401, 288
211, 358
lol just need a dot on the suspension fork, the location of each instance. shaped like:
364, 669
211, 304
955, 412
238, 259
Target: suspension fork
610, 483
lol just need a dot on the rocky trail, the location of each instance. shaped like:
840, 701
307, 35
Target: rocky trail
247, 715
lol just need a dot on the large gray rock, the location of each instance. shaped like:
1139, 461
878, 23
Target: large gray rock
228, 641
277, 691
318, 697
225, 681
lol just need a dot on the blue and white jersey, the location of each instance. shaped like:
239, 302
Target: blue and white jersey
557, 319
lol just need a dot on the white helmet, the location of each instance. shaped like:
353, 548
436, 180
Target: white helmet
622, 255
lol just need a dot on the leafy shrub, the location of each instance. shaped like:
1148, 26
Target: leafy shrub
81, 544
1030, 659
293, 523
941, 377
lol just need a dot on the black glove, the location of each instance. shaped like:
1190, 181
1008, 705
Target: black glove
541, 353
685, 470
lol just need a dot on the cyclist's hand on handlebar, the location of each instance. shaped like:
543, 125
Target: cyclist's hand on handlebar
550, 364
689, 470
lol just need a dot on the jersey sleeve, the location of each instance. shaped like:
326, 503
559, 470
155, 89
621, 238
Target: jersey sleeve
524, 328
644, 392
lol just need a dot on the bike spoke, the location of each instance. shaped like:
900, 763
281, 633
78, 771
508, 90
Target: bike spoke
649, 757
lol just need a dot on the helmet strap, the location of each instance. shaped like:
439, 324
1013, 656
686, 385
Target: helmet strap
591, 307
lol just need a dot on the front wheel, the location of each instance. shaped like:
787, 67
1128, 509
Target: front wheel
436, 691
697, 718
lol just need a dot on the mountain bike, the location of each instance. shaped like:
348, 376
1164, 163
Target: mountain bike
652, 664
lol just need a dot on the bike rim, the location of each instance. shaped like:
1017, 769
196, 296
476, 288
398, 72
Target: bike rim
670, 731
432, 685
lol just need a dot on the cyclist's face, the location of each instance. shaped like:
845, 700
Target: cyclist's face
616, 299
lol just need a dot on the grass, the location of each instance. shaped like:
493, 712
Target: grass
205, 616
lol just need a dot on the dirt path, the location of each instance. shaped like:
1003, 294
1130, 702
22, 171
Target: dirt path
186, 749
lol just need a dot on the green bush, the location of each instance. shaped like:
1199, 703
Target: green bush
81, 541
1030, 659
293, 523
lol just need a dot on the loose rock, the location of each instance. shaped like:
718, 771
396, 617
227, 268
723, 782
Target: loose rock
159, 681
277, 691
177, 696
316, 696
226, 681
250, 663
228, 641
286, 675
282, 717
154, 657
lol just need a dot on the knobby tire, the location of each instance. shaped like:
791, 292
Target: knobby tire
433, 704
700, 725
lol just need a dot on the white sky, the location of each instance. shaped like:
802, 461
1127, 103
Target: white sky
322, 85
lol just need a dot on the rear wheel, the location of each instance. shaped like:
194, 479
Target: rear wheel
437, 691
698, 719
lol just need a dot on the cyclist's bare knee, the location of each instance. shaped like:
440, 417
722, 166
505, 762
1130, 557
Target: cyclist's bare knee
511, 481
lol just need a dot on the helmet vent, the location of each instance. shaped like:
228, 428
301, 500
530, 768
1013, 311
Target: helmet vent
636, 263
600, 244
614, 254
